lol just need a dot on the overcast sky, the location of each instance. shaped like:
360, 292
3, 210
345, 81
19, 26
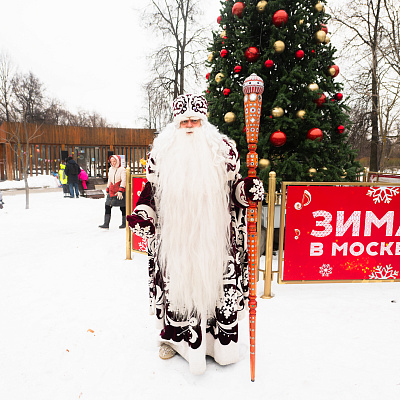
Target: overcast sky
89, 54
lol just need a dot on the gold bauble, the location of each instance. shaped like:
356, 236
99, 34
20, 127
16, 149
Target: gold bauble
219, 77
319, 6
210, 57
312, 171
325, 169
301, 114
263, 163
332, 71
327, 39
320, 36
313, 87
208, 114
279, 46
277, 112
229, 117
261, 6
222, 34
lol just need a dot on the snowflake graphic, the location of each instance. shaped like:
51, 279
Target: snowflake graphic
382, 272
258, 190
143, 245
384, 194
325, 270
228, 306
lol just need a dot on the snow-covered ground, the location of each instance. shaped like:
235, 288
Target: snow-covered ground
75, 324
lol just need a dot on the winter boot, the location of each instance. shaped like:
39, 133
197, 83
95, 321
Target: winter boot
106, 224
123, 225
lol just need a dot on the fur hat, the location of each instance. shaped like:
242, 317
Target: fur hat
189, 105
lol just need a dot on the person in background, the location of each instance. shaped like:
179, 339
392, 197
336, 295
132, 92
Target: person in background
115, 191
63, 180
192, 211
72, 170
83, 177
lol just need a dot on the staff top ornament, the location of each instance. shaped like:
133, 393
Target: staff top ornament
253, 84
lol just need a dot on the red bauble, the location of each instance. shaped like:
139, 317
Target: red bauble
237, 69
324, 28
226, 92
238, 8
252, 54
340, 128
244, 129
280, 18
269, 63
336, 68
338, 96
278, 138
219, 19
320, 101
299, 54
315, 133
208, 76
223, 53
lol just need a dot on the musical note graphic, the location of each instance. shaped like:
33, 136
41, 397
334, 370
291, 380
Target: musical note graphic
306, 200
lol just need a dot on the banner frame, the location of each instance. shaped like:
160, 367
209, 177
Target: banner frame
282, 229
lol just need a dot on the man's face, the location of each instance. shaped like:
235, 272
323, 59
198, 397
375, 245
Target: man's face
189, 124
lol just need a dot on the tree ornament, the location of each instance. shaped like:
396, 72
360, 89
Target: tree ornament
269, 63
338, 96
263, 163
333, 71
277, 112
238, 8
208, 76
278, 138
223, 53
237, 69
226, 91
229, 117
210, 57
219, 77
324, 28
223, 34
312, 172
319, 6
320, 101
313, 87
280, 18
320, 36
300, 114
261, 5
279, 46
340, 128
299, 54
327, 39
315, 133
219, 20
252, 54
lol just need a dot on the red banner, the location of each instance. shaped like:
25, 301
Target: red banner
342, 233
138, 244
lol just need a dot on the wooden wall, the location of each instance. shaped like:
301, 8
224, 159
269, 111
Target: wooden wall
45, 149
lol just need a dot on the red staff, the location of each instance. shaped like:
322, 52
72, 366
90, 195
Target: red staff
253, 88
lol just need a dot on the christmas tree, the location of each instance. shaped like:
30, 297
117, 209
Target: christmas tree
303, 122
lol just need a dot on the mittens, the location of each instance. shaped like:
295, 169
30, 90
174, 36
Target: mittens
253, 188
140, 226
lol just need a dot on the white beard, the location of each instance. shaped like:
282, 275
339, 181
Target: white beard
192, 199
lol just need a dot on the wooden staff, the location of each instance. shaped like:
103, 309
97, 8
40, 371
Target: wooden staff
253, 87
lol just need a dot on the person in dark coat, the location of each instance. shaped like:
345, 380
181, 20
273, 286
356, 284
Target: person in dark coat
72, 171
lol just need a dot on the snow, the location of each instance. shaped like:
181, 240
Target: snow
61, 277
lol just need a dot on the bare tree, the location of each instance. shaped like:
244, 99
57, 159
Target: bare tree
373, 83
6, 87
29, 94
180, 59
16, 138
